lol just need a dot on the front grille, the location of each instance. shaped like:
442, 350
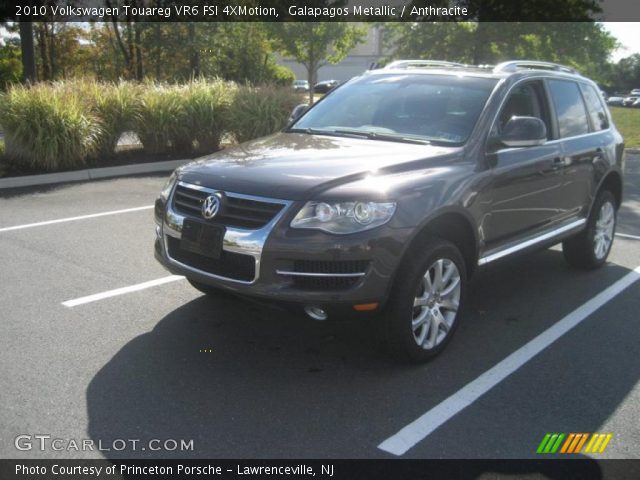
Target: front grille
236, 212
231, 265
324, 283
327, 267
323, 266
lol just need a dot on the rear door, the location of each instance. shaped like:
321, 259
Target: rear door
582, 127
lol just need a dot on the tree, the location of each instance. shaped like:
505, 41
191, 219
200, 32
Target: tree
585, 46
625, 75
435, 40
313, 44
62, 50
10, 63
28, 52
241, 51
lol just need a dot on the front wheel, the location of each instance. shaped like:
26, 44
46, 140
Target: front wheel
590, 248
422, 313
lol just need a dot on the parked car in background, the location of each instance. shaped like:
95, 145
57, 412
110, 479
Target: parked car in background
325, 86
386, 196
627, 102
635, 92
615, 101
301, 85
636, 104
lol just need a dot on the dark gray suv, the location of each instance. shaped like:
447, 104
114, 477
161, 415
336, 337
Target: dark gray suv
385, 196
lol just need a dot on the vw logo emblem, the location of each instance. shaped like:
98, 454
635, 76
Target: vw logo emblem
211, 206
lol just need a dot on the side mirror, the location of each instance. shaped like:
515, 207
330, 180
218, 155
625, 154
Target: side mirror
524, 132
297, 112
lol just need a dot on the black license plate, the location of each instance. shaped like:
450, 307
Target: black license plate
201, 238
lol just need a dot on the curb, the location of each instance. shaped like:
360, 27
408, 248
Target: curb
90, 174
632, 150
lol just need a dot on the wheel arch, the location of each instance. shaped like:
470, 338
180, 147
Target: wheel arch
612, 181
452, 224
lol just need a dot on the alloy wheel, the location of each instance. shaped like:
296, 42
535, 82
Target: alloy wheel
603, 235
436, 303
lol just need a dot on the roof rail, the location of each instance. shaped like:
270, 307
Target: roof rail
422, 64
515, 65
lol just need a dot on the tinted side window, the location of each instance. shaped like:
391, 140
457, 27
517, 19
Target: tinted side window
572, 117
595, 107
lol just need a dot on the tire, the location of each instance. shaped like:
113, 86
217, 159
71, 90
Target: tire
590, 248
416, 284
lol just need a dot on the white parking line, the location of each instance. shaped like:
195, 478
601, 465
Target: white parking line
121, 291
420, 428
72, 219
626, 235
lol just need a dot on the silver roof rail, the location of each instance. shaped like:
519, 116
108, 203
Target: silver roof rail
515, 65
422, 64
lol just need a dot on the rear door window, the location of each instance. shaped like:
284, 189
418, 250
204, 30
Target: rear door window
572, 116
595, 107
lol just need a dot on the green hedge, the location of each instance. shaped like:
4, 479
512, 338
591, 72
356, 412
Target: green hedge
48, 129
257, 112
65, 125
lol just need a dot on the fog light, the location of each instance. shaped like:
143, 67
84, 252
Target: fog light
316, 313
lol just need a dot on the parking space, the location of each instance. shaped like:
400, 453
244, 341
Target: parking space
162, 361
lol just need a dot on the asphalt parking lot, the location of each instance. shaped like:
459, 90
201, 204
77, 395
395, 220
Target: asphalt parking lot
246, 381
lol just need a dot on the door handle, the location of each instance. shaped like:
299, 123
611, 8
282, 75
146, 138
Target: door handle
599, 155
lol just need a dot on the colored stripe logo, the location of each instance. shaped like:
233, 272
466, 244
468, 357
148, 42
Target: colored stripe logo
574, 443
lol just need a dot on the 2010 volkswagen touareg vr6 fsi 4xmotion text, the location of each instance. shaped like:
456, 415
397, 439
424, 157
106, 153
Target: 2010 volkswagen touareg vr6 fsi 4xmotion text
389, 192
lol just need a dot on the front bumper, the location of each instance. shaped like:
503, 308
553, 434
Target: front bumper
294, 265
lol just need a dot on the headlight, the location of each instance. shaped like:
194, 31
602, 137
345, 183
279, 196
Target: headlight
344, 217
166, 190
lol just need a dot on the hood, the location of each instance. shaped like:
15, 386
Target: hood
294, 166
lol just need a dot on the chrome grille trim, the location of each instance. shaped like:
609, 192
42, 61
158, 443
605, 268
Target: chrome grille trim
237, 240
241, 211
311, 274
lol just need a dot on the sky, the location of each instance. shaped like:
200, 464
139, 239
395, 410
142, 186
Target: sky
628, 34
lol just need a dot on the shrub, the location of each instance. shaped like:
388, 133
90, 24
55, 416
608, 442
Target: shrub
117, 106
282, 75
61, 125
206, 107
159, 121
47, 128
260, 111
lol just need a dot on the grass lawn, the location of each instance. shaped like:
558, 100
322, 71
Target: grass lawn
628, 122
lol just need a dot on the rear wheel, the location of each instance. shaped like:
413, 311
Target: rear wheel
590, 248
422, 313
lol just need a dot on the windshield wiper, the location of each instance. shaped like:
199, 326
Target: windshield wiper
311, 131
383, 136
341, 132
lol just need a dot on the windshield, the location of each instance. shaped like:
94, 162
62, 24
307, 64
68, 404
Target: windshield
430, 108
